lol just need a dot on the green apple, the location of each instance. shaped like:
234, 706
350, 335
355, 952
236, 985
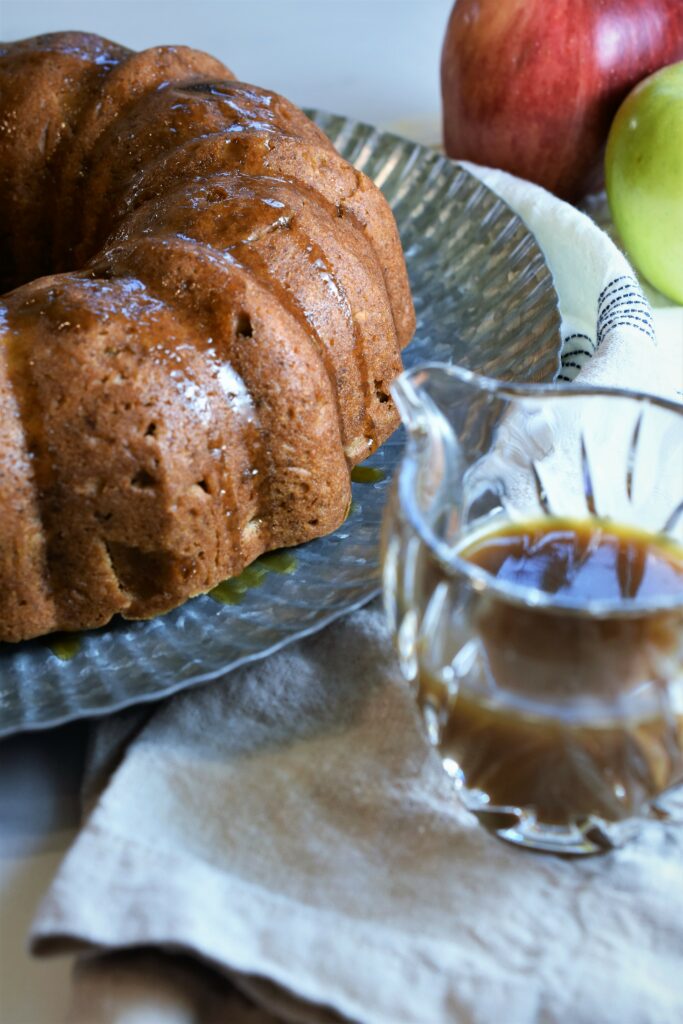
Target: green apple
644, 178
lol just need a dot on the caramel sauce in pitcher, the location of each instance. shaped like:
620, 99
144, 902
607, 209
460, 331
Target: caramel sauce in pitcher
569, 710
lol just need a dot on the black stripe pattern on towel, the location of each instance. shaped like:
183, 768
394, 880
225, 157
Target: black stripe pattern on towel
577, 349
621, 304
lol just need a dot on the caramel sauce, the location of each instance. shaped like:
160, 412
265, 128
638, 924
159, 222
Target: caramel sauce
565, 712
367, 475
232, 591
65, 646
582, 560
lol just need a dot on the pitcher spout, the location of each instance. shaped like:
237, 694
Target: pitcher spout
424, 396
428, 398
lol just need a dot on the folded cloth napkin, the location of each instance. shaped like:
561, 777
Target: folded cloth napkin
287, 835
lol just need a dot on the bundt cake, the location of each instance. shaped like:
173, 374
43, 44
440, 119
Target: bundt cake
202, 310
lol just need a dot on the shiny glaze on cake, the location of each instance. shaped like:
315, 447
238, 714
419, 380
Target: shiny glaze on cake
204, 309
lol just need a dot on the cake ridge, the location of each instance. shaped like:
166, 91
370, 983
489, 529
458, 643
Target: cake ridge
204, 343
321, 262
22, 549
171, 248
101, 110
208, 194
343, 202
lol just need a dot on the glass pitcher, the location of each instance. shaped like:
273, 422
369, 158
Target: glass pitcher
555, 700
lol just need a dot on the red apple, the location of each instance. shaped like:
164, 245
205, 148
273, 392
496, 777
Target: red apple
532, 85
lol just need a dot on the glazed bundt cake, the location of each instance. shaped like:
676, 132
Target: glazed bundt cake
203, 311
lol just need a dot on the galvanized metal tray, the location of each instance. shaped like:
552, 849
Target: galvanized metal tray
484, 298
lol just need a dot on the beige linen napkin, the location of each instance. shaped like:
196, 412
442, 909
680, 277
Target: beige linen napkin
289, 828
